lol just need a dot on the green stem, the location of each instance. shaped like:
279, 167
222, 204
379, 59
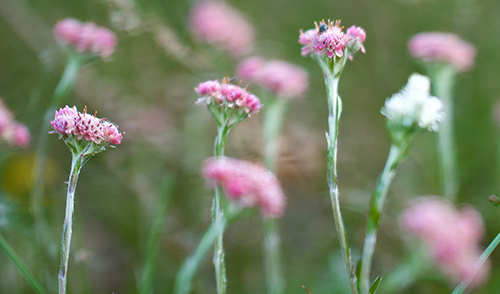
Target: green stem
396, 155
334, 111
61, 92
218, 216
76, 166
11, 253
443, 85
273, 120
154, 237
184, 279
477, 266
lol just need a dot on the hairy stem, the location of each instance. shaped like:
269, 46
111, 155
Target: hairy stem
379, 195
76, 166
334, 111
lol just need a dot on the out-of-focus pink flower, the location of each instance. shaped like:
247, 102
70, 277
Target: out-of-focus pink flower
328, 38
12, 132
69, 122
442, 47
227, 96
247, 184
221, 25
86, 37
452, 236
279, 77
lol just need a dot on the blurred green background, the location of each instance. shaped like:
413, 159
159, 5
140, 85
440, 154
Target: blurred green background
148, 92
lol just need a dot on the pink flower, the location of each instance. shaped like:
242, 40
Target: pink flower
12, 132
247, 184
70, 123
442, 47
221, 25
280, 77
452, 236
328, 38
86, 37
227, 96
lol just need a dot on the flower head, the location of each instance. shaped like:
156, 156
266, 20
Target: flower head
279, 77
228, 103
413, 107
442, 47
11, 132
77, 128
221, 25
451, 236
85, 37
329, 39
247, 184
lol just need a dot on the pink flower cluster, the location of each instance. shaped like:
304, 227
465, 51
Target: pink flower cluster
221, 25
247, 184
12, 132
329, 38
280, 77
85, 37
442, 47
451, 236
227, 95
70, 122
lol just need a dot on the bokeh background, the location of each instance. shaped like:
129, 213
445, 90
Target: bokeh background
147, 89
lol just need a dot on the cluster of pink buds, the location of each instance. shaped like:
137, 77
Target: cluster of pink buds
328, 38
221, 25
227, 101
74, 127
85, 37
12, 132
444, 48
247, 184
282, 78
452, 237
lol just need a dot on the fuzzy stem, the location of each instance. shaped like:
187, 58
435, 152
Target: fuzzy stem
76, 166
11, 253
379, 195
477, 266
443, 84
218, 216
334, 110
184, 279
273, 120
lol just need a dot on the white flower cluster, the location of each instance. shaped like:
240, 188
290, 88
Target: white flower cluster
414, 105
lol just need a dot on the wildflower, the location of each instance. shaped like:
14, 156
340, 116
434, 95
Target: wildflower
451, 236
328, 38
247, 184
228, 103
442, 47
12, 132
222, 26
413, 108
85, 37
279, 77
83, 129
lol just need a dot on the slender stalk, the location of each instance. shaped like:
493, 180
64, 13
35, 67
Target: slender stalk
218, 216
273, 120
61, 92
334, 110
11, 253
184, 279
76, 166
477, 266
443, 84
379, 195
154, 237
